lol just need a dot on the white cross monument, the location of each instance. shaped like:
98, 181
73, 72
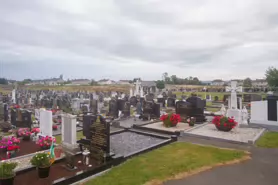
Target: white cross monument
233, 110
137, 87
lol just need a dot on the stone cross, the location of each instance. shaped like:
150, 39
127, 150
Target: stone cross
14, 96
233, 89
130, 92
137, 87
223, 110
141, 93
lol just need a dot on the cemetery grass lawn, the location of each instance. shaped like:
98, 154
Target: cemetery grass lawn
268, 140
79, 135
212, 109
164, 163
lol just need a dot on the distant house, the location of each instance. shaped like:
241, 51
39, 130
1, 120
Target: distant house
217, 82
106, 82
80, 82
239, 82
149, 86
259, 83
123, 82
51, 81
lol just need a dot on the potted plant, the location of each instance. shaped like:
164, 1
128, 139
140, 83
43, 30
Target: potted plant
170, 120
191, 121
4, 143
24, 133
12, 150
7, 173
43, 163
45, 142
224, 123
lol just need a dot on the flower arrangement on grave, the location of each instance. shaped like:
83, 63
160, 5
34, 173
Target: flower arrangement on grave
191, 121
12, 150
54, 127
45, 142
170, 120
8, 141
43, 163
25, 133
35, 131
7, 173
224, 123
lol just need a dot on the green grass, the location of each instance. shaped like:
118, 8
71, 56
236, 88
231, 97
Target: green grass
268, 140
212, 109
79, 135
165, 162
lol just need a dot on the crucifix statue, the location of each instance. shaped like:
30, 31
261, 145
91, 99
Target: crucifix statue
137, 87
233, 89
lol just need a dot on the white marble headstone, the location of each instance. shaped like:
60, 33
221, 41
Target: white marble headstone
46, 123
69, 129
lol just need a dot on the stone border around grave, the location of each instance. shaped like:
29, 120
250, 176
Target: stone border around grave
177, 133
117, 160
250, 142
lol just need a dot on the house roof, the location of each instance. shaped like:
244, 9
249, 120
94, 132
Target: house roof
217, 80
148, 83
259, 80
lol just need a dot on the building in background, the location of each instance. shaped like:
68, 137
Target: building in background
217, 82
106, 82
259, 83
80, 82
123, 82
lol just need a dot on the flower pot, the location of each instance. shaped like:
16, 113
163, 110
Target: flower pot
58, 152
223, 128
26, 138
45, 147
43, 172
9, 181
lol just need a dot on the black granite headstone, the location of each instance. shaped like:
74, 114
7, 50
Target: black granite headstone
6, 112
88, 120
171, 102
272, 108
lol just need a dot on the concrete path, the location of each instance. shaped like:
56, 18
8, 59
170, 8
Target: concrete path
262, 169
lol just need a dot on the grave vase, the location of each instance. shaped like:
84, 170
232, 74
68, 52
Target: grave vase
223, 128
43, 172
9, 181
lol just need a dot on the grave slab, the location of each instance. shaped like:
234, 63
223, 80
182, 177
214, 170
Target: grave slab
237, 135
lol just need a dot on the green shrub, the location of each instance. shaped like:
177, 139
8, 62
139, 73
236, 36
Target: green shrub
7, 170
41, 160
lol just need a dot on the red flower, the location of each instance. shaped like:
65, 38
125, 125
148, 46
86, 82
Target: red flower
12, 148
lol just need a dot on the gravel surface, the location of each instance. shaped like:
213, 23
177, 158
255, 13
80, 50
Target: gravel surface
128, 142
237, 134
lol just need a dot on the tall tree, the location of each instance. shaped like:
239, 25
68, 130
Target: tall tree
247, 82
272, 77
3, 81
160, 84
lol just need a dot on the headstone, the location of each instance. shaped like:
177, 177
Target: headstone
94, 106
244, 116
126, 109
46, 123
69, 129
171, 102
100, 141
113, 108
139, 108
133, 101
14, 96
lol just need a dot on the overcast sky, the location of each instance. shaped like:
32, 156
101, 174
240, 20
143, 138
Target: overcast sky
123, 39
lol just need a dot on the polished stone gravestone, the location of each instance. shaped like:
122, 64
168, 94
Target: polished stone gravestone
69, 129
88, 120
84, 107
148, 109
171, 102
272, 108
13, 116
126, 110
251, 97
113, 108
121, 104
94, 106
149, 97
99, 143
197, 108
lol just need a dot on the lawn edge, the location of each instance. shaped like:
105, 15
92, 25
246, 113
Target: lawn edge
184, 175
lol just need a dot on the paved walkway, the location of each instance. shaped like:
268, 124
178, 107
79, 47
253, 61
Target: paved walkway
262, 169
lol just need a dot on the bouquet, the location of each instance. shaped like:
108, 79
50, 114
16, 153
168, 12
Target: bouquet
224, 123
35, 131
24, 132
45, 142
170, 120
8, 141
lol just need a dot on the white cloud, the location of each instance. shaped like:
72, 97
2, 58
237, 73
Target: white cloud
129, 38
